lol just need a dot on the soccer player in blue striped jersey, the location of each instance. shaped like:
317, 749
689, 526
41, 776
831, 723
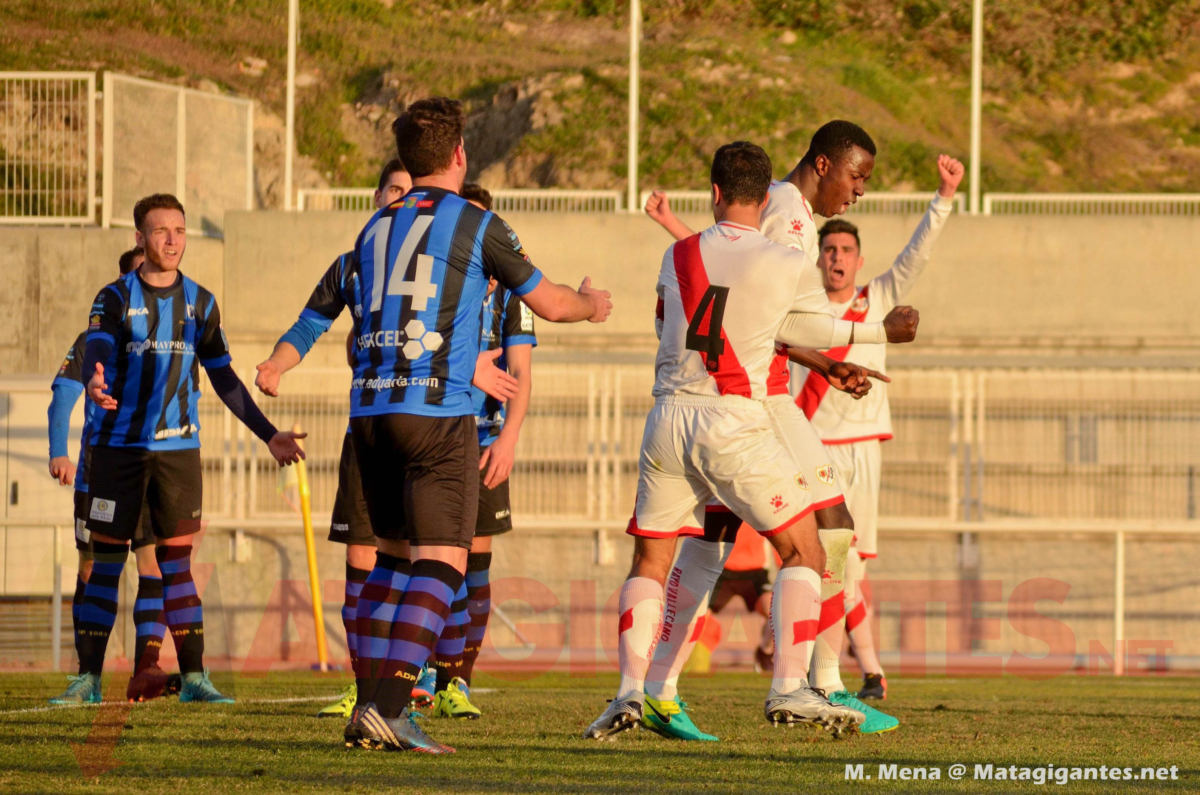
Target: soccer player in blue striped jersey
423, 266
149, 333
149, 680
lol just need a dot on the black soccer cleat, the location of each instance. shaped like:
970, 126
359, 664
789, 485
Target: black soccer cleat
874, 686
147, 684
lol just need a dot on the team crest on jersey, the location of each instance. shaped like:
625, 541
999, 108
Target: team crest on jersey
526, 318
797, 226
825, 474
66, 363
801, 481
860, 304
94, 322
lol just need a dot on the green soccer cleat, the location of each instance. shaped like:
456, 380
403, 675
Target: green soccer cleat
455, 702
343, 706
198, 688
84, 689
670, 719
876, 722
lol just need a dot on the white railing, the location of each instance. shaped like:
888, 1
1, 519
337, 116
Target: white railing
47, 147
1187, 204
199, 146
700, 202
503, 201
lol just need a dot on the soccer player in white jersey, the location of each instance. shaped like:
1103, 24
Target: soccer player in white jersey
828, 179
853, 430
728, 296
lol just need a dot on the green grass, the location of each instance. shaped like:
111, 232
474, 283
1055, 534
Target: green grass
528, 739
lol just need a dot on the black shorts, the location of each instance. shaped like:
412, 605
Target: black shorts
749, 585
144, 536
495, 513
350, 524
125, 481
417, 473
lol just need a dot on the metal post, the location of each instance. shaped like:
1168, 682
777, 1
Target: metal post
976, 98
106, 157
289, 143
181, 145
1119, 605
56, 604
635, 35
92, 198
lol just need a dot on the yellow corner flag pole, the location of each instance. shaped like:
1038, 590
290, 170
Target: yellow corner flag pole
314, 580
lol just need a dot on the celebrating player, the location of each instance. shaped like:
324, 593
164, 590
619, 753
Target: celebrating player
148, 333
149, 681
422, 267
710, 435
852, 430
830, 177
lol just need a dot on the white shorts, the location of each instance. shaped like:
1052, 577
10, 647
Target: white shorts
697, 450
858, 464
796, 434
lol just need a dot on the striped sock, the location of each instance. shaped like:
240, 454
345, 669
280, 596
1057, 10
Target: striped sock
355, 579
148, 618
76, 608
98, 612
448, 653
377, 602
185, 614
420, 618
479, 608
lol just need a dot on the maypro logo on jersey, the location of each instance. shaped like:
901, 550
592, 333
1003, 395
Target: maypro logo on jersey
380, 384
158, 346
168, 433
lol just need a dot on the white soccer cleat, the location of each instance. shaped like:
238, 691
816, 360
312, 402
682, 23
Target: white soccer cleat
620, 716
809, 706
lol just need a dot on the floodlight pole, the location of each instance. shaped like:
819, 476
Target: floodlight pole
289, 144
976, 98
635, 35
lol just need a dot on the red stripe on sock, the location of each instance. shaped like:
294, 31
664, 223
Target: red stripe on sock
856, 616
833, 610
804, 631
626, 621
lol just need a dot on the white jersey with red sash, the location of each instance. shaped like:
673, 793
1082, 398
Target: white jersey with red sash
837, 417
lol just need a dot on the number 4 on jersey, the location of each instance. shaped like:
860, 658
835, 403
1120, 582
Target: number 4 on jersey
706, 337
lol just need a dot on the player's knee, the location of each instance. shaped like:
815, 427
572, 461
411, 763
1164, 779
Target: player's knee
85, 569
835, 517
147, 564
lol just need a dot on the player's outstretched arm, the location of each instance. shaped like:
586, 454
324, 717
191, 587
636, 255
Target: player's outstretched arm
283, 358
848, 377
893, 285
658, 207
236, 397
822, 332
560, 304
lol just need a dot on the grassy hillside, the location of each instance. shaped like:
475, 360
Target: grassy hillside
1079, 94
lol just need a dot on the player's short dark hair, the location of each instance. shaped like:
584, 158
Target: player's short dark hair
837, 226
835, 140
155, 201
474, 192
427, 133
391, 167
126, 261
742, 171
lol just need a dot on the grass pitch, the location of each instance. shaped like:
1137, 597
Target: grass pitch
529, 739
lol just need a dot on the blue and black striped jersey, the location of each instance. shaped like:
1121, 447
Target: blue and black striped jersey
423, 265
159, 337
506, 322
70, 374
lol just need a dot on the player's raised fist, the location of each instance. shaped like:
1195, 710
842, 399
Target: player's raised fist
491, 379
267, 379
284, 447
901, 324
658, 206
951, 171
97, 390
601, 305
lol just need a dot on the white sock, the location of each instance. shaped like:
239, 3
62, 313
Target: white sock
858, 617
640, 611
689, 587
795, 608
831, 627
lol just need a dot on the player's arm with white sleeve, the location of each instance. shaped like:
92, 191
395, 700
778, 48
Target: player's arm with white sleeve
892, 286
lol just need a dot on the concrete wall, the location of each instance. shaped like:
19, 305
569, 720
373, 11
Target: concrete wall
48, 278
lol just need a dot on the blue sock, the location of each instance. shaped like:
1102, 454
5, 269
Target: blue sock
448, 653
355, 579
181, 603
98, 613
148, 618
376, 611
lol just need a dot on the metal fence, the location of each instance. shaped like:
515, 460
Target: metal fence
164, 138
1186, 204
700, 201
503, 201
47, 147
